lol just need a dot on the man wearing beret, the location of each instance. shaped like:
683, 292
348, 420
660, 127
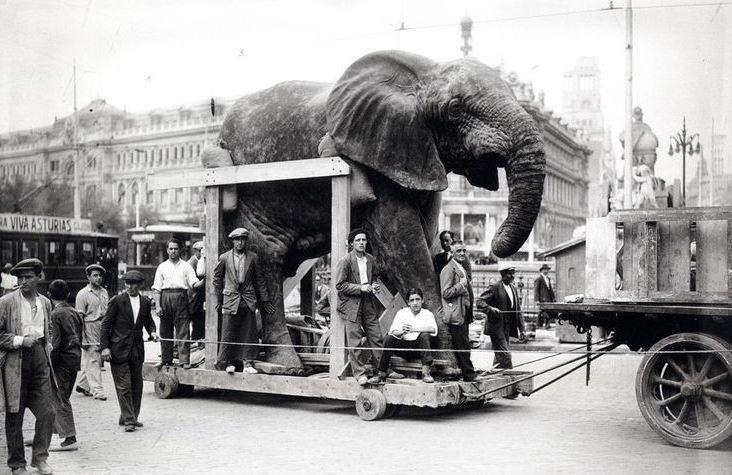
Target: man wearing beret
239, 285
26, 375
501, 305
91, 302
543, 292
123, 346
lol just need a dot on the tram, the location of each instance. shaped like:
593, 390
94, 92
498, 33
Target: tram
65, 246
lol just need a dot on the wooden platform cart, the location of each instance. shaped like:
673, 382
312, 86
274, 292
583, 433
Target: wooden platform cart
675, 303
372, 402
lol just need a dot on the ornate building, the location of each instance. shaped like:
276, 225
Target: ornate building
116, 150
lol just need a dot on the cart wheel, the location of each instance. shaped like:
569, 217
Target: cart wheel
687, 397
184, 390
370, 404
166, 385
392, 410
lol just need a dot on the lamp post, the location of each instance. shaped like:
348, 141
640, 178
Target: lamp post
683, 142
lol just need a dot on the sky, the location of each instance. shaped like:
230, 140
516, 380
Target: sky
141, 55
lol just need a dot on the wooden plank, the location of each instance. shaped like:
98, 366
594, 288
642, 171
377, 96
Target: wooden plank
729, 256
387, 316
340, 227
712, 245
650, 256
291, 282
681, 297
640, 308
672, 214
600, 258
253, 173
211, 244
629, 256
674, 256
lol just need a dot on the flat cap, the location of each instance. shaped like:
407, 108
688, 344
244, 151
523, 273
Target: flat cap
505, 266
197, 245
92, 267
239, 232
133, 276
544, 266
27, 264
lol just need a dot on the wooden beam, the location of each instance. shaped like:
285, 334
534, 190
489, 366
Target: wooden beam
253, 173
211, 243
672, 214
340, 227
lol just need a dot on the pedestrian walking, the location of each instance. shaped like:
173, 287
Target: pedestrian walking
26, 375
66, 333
543, 292
91, 302
501, 305
123, 346
239, 284
174, 278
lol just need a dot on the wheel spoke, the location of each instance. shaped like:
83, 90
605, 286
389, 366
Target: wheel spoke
706, 367
692, 364
677, 368
682, 413
714, 408
717, 394
697, 413
666, 382
669, 400
715, 379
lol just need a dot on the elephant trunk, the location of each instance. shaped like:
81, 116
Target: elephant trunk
525, 177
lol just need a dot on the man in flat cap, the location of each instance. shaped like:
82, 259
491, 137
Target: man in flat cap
239, 284
66, 330
91, 302
174, 278
123, 346
501, 305
26, 375
543, 292
8, 281
196, 297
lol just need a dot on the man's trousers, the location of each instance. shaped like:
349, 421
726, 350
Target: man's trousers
90, 377
422, 343
239, 328
128, 383
174, 316
64, 425
501, 355
35, 394
367, 322
461, 341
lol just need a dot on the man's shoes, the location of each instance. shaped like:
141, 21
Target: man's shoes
130, 428
186, 366
363, 380
19, 471
83, 391
249, 369
231, 369
64, 448
394, 375
426, 376
160, 364
101, 397
136, 423
43, 467
379, 378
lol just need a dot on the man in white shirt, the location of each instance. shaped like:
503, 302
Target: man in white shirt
91, 302
8, 281
411, 330
173, 280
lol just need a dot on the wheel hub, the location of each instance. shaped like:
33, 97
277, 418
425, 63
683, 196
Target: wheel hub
691, 390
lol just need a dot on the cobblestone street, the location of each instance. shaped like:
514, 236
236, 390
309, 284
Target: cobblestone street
565, 428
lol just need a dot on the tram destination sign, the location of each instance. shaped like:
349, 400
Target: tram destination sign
25, 223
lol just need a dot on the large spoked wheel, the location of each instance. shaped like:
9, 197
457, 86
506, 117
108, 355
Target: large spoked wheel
370, 404
685, 393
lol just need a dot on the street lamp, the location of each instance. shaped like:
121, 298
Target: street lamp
684, 143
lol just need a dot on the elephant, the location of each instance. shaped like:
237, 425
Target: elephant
403, 122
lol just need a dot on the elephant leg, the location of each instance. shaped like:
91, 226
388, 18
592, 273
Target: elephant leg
396, 226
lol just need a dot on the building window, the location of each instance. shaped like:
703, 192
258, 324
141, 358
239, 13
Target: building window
150, 197
70, 254
178, 195
135, 192
198, 149
54, 165
28, 249
121, 193
190, 151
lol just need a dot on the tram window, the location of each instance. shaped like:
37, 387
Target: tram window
53, 253
6, 252
87, 253
70, 253
28, 249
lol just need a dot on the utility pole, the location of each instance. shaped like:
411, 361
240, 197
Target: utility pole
628, 142
75, 145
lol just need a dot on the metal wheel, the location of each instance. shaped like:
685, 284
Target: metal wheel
370, 404
687, 397
166, 385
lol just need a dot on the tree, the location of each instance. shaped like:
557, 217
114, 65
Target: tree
52, 198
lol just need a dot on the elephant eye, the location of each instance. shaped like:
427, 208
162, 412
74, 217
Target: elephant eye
454, 108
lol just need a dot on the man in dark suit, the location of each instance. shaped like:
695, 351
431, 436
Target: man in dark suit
123, 346
457, 307
501, 305
66, 330
239, 284
356, 284
543, 292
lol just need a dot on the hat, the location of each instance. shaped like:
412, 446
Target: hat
239, 232
544, 266
27, 264
92, 267
7, 266
133, 276
197, 245
505, 266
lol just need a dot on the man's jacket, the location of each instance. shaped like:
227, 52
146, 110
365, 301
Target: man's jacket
121, 333
233, 285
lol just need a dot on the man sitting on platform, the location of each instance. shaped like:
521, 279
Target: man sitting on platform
411, 330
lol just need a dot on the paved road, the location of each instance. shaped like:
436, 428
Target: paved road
566, 428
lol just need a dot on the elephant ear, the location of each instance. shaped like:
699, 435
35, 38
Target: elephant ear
375, 119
